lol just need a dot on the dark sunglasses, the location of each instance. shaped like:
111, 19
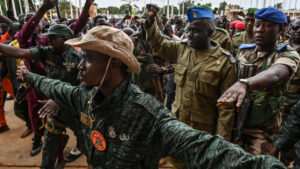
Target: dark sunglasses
295, 28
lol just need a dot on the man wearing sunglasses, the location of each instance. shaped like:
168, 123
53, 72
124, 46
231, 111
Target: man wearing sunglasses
285, 140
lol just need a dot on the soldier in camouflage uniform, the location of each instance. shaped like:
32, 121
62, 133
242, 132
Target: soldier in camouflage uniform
61, 63
276, 65
246, 36
289, 134
294, 87
125, 128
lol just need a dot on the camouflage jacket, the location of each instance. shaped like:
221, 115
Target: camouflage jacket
290, 130
132, 130
269, 100
201, 76
237, 40
294, 88
58, 66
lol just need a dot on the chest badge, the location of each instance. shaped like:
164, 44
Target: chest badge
218, 62
124, 137
98, 140
112, 132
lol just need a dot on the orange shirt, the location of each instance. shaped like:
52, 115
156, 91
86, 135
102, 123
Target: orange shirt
5, 37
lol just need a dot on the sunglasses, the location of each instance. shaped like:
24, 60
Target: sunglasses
295, 28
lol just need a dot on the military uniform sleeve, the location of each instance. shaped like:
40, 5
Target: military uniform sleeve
39, 53
166, 49
226, 113
202, 150
289, 58
74, 97
290, 130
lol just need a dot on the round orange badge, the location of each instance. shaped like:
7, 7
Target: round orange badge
98, 140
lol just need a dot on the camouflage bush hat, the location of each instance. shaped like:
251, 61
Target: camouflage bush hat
61, 30
111, 42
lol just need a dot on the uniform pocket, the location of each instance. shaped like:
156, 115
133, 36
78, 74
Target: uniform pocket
180, 71
206, 83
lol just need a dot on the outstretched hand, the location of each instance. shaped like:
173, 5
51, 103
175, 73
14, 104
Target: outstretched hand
21, 71
236, 92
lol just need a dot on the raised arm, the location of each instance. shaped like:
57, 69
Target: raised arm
5, 19
31, 5
9, 12
83, 19
27, 30
202, 150
166, 49
62, 93
13, 52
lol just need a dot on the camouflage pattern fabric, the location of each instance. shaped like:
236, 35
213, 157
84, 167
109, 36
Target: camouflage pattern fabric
201, 76
258, 139
290, 130
132, 130
62, 67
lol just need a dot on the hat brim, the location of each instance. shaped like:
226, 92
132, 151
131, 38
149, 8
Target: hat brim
108, 48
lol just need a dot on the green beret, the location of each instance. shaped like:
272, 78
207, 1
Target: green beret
251, 11
61, 30
206, 7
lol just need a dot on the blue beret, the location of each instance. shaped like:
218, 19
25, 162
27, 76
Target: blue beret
196, 13
270, 14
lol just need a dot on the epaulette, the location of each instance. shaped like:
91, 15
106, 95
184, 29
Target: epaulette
222, 29
247, 46
184, 41
281, 47
238, 34
229, 55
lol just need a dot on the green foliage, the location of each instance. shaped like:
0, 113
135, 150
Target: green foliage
165, 8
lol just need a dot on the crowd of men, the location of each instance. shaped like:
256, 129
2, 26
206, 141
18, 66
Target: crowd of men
204, 92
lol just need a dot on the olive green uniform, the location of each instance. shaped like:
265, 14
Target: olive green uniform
265, 116
237, 40
201, 77
134, 131
63, 67
221, 36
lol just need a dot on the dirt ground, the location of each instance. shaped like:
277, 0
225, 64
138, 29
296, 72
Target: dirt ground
14, 151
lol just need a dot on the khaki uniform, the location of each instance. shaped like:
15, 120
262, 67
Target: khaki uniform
237, 40
222, 37
265, 118
201, 77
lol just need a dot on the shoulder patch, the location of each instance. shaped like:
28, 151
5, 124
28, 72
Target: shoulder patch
184, 41
229, 55
222, 29
281, 47
247, 46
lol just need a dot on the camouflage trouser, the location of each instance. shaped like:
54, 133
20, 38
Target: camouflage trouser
260, 141
53, 136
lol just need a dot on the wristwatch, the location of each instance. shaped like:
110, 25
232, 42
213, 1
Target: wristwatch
246, 81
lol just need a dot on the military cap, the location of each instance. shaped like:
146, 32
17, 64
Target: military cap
61, 30
111, 42
270, 14
240, 25
196, 13
251, 11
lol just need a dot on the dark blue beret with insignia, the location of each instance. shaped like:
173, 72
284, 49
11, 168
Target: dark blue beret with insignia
196, 13
270, 14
